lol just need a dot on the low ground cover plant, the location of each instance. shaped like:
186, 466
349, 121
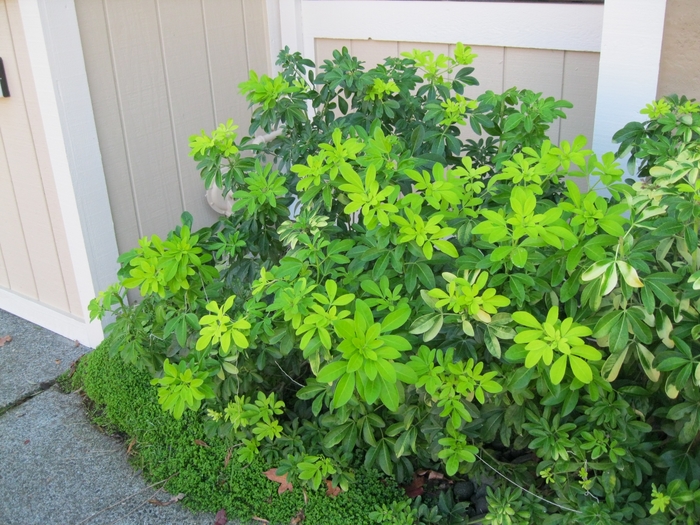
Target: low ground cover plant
202, 468
389, 295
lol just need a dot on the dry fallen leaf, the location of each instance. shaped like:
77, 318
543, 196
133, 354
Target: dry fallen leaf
332, 491
228, 458
282, 480
130, 447
296, 520
5, 339
261, 520
416, 487
26, 442
172, 500
220, 518
432, 474
200, 443
76, 343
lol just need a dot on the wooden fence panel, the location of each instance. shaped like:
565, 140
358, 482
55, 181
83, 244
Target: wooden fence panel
160, 71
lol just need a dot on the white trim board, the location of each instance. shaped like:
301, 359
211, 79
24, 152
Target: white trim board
573, 27
59, 322
629, 65
60, 79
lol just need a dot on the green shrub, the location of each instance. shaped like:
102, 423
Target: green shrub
436, 303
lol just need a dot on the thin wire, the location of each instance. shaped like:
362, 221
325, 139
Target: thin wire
523, 488
288, 376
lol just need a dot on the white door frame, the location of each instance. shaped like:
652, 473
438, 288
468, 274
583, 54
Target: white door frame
65, 107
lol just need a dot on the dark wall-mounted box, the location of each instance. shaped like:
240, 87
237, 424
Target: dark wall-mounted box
4, 90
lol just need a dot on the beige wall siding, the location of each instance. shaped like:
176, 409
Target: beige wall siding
680, 52
34, 256
569, 75
160, 71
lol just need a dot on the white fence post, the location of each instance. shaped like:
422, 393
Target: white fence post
629, 65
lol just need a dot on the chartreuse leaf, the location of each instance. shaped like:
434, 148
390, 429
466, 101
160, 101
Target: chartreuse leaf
396, 319
526, 319
344, 390
581, 369
331, 371
538, 342
368, 358
556, 373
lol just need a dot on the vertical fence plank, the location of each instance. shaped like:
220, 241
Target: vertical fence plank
256, 32
189, 95
326, 46
228, 61
373, 52
140, 78
106, 105
488, 70
540, 70
579, 88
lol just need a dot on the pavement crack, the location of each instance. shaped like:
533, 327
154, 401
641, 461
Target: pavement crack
41, 387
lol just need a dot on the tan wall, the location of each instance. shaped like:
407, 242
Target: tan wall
569, 75
160, 71
680, 52
34, 257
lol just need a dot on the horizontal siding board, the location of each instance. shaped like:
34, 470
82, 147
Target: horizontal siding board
97, 50
141, 83
189, 95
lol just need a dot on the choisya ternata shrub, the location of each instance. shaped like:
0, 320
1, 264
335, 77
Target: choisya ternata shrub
390, 294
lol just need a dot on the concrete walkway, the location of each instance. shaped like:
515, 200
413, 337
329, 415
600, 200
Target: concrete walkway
55, 466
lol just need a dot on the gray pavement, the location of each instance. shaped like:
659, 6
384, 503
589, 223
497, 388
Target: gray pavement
55, 466
32, 360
